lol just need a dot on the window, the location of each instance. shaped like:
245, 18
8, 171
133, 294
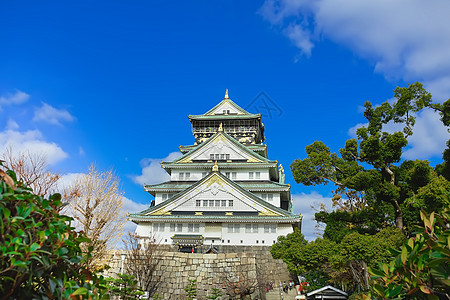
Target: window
270, 228
176, 227
205, 202
267, 197
179, 227
250, 175
248, 228
172, 227
227, 174
257, 175
230, 203
233, 175
211, 156
198, 203
217, 203
255, 228
257, 241
158, 227
227, 156
203, 174
222, 156
188, 176
224, 203
164, 197
193, 227
262, 241
242, 241
217, 156
234, 228
211, 203
181, 176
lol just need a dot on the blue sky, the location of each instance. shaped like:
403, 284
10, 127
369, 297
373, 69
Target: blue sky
112, 82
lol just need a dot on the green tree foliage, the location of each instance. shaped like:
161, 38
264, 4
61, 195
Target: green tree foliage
421, 268
191, 289
125, 286
40, 252
370, 163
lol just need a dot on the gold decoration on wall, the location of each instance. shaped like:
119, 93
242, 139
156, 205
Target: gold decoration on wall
229, 213
199, 213
267, 213
215, 168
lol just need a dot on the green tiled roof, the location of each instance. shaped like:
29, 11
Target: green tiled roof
291, 218
228, 137
232, 183
224, 117
226, 99
179, 186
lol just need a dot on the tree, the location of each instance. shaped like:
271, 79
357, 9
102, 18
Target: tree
31, 169
41, 253
240, 283
142, 260
191, 289
369, 165
95, 202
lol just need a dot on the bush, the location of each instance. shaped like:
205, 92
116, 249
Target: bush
41, 254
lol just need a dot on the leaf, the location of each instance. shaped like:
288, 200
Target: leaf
79, 291
34, 247
404, 254
425, 289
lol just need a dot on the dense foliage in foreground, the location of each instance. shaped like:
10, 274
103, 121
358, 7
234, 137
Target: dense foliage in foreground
41, 254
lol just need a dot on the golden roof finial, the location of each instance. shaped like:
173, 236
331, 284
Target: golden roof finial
220, 127
226, 94
215, 168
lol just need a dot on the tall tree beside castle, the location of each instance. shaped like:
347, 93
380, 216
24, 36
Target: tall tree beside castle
223, 190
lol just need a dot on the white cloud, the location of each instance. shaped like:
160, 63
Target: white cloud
18, 97
152, 172
11, 124
31, 141
302, 205
300, 37
49, 114
408, 39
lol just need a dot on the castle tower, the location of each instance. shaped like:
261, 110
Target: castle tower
223, 191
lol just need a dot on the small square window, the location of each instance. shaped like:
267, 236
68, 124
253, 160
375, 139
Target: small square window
241, 241
248, 228
172, 227
230, 203
164, 197
270, 197
198, 203
227, 156
237, 228
205, 203
222, 156
255, 228
217, 156
204, 174
228, 241
257, 241
181, 176
227, 174
188, 176
166, 240
211, 156
250, 175
233, 175
224, 203
217, 203
262, 242
212, 241
211, 203
223, 241
257, 175
179, 227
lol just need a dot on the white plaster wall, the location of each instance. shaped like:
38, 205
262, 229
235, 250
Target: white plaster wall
242, 174
276, 198
221, 235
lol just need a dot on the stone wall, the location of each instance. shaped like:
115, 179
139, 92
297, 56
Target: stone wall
210, 270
